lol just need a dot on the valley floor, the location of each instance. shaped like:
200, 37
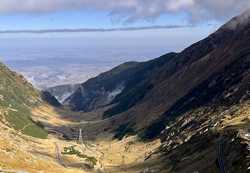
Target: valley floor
20, 153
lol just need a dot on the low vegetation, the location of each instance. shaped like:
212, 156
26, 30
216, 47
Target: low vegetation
17, 97
71, 150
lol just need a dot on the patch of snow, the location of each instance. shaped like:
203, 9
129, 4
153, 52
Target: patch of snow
115, 92
63, 97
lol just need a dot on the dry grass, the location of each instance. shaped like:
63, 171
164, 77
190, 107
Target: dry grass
239, 118
48, 114
20, 152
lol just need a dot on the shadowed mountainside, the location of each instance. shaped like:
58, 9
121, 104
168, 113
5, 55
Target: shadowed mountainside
148, 91
196, 101
62, 92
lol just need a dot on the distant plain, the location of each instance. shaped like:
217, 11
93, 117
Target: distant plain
54, 59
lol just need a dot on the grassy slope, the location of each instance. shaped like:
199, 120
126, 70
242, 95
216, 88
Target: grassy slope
17, 96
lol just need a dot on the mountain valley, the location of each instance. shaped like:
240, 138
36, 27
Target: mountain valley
186, 112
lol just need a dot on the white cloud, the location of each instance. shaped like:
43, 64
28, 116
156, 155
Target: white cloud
176, 5
131, 10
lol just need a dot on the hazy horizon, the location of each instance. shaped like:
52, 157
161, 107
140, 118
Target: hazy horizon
54, 59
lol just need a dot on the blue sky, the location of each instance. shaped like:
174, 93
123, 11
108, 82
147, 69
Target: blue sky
206, 15
28, 52
60, 14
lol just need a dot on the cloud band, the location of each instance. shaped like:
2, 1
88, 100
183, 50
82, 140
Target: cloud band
132, 10
93, 29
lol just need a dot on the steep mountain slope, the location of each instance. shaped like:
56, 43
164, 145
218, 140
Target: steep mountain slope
50, 99
62, 92
121, 83
219, 76
25, 120
196, 101
157, 87
17, 98
207, 139
21, 152
99, 91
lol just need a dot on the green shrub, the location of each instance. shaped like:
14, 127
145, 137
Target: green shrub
72, 151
